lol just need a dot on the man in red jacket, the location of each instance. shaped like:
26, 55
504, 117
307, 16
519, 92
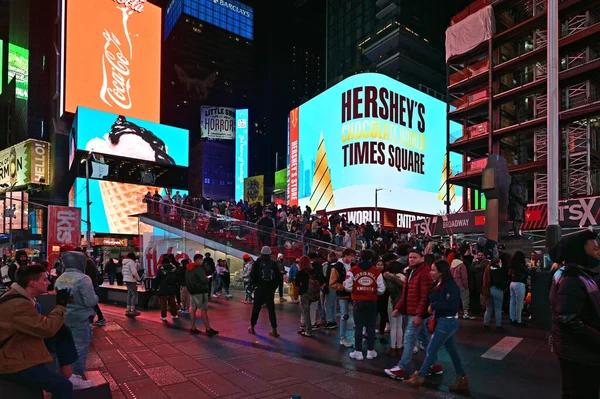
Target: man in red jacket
413, 304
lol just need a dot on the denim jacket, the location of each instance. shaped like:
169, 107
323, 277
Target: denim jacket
83, 298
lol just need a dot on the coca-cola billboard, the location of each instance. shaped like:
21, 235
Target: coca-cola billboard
111, 57
64, 228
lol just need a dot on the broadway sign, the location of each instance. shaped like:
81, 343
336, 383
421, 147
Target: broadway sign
580, 212
64, 228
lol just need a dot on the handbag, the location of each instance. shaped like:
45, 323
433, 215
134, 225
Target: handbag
432, 324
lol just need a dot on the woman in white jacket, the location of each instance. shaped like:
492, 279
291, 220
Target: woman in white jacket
131, 278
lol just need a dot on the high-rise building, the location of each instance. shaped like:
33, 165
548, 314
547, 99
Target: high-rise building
399, 38
208, 59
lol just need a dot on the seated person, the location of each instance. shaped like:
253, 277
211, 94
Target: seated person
23, 352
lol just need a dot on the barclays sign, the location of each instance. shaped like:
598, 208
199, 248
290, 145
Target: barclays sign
233, 7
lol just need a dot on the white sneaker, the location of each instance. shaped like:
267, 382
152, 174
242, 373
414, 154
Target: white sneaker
371, 355
214, 296
356, 355
80, 383
175, 317
346, 343
163, 319
416, 349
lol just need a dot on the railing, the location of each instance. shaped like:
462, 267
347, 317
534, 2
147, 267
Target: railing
473, 98
470, 71
239, 234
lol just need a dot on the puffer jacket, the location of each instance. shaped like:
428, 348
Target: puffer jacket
80, 308
23, 330
416, 290
459, 273
130, 274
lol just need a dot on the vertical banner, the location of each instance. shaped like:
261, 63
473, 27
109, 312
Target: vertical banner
64, 228
293, 149
254, 189
241, 151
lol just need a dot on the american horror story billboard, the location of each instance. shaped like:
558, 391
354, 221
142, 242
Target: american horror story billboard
370, 132
111, 57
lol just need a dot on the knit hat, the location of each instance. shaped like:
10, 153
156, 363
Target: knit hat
246, 257
265, 250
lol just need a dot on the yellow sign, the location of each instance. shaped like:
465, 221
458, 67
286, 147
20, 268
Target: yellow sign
254, 189
24, 163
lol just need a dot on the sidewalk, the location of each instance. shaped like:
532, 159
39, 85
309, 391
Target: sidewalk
146, 357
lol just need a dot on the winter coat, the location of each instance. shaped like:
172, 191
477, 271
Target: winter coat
130, 274
460, 275
416, 290
444, 299
196, 281
167, 280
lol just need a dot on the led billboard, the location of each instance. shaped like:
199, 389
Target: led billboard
112, 203
217, 123
231, 15
370, 136
25, 163
241, 152
18, 67
111, 57
111, 134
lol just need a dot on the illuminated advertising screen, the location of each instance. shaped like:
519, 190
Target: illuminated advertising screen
112, 204
25, 163
111, 134
370, 137
241, 151
217, 123
18, 68
111, 57
281, 177
231, 15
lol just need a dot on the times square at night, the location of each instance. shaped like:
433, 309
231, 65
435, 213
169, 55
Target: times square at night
410, 188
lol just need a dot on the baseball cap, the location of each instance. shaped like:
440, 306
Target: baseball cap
66, 248
246, 256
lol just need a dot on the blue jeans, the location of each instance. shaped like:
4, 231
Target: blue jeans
43, 378
330, 306
82, 336
412, 335
248, 287
443, 335
494, 302
517, 296
111, 279
344, 320
218, 284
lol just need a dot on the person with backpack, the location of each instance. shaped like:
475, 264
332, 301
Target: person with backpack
365, 283
247, 278
336, 283
308, 288
265, 277
167, 282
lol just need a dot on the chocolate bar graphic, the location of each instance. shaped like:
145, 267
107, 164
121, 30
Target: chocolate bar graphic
321, 196
123, 126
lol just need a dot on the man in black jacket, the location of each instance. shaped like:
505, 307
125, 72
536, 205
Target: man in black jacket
265, 278
575, 305
198, 287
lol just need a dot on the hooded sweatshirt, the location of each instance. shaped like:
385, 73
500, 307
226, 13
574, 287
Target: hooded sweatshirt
83, 297
364, 282
459, 272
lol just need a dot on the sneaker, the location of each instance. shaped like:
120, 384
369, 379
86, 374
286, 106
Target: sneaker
416, 349
212, 332
306, 333
244, 301
175, 317
346, 343
316, 326
251, 330
195, 331
371, 355
436, 369
135, 313
184, 311
229, 296
356, 355
99, 323
396, 373
467, 316
331, 326
80, 383
214, 296
163, 319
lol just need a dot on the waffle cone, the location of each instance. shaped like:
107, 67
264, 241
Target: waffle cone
122, 200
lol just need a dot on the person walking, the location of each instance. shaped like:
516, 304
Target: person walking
413, 305
518, 273
184, 295
167, 282
365, 283
336, 283
444, 302
265, 277
247, 278
306, 280
575, 306
494, 283
198, 287
131, 278
330, 294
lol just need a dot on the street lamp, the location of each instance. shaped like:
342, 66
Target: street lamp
88, 234
377, 218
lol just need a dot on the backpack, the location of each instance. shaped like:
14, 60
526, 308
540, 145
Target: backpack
314, 289
171, 279
267, 270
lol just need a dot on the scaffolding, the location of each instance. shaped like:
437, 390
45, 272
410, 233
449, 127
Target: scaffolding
540, 143
582, 158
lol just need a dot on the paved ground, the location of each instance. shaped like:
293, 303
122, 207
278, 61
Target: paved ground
146, 358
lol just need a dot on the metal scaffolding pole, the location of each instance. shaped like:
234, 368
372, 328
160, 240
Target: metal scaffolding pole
553, 130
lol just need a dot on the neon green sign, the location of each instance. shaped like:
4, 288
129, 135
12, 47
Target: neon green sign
18, 67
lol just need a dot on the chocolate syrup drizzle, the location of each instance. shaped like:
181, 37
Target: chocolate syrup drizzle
123, 126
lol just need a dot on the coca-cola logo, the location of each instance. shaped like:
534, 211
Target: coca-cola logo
135, 5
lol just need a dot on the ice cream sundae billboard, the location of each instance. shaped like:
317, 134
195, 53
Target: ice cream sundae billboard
113, 203
366, 133
112, 134
111, 57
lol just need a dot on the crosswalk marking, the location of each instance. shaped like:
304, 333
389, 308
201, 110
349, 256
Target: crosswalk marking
502, 348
